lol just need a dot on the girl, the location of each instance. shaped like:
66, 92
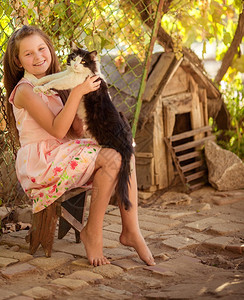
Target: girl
48, 162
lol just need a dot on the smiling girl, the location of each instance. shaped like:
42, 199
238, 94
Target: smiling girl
48, 163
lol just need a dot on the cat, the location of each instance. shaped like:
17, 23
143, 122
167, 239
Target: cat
106, 125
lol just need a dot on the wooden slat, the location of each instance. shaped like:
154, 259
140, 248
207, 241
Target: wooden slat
195, 176
197, 185
190, 133
192, 166
175, 160
69, 218
189, 156
193, 144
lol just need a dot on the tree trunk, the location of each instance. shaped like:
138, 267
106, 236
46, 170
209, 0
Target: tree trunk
229, 55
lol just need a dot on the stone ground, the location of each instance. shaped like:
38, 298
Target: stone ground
197, 240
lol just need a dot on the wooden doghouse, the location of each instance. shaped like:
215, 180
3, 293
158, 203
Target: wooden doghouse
178, 98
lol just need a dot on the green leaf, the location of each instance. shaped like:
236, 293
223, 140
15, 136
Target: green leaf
227, 38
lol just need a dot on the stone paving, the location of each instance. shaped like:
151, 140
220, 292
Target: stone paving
198, 247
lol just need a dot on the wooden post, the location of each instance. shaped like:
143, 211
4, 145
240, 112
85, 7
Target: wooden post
196, 121
169, 122
204, 101
159, 149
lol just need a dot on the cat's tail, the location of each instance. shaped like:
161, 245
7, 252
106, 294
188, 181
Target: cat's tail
122, 188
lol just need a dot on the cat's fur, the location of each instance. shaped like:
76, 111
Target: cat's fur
109, 127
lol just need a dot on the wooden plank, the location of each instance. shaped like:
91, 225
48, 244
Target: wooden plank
193, 144
175, 161
189, 133
197, 185
189, 155
204, 100
159, 149
144, 155
71, 220
168, 100
177, 83
190, 181
195, 176
192, 166
145, 172
196, 118
180, 103
157, 75
169, 121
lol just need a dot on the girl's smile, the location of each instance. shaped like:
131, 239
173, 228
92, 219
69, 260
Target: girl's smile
34, 55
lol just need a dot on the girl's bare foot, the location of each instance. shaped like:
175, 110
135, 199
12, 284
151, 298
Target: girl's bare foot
137, 241
94, 248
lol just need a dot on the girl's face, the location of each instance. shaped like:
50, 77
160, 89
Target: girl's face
34, 55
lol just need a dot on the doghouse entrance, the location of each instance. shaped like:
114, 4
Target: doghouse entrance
182, 124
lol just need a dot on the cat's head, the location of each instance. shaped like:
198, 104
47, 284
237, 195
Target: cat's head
79, 59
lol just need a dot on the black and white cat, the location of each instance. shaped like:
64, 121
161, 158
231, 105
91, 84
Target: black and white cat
108, 126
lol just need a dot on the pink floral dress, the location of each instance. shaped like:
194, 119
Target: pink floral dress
47, 167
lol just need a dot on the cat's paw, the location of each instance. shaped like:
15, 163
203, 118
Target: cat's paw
44, 90
50, 92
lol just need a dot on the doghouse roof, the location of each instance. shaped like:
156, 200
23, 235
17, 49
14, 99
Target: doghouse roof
129, 82
163, 67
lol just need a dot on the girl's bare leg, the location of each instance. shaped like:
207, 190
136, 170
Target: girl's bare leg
131, 234
106, 170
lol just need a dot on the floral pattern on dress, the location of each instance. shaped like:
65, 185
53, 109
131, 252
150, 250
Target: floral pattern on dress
66, 174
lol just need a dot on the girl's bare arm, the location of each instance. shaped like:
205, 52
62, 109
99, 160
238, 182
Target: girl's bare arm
59, 125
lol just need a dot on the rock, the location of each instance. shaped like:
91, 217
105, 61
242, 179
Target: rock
4, 212
175, 198
24, 214
225, 169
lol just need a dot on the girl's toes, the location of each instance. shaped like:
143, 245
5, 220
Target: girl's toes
99, 262
151, 261
105, 261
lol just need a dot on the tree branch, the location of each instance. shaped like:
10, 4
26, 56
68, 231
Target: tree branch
229, 55
163, 37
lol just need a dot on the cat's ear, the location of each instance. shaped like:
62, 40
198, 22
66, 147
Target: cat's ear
93, 55
74, 47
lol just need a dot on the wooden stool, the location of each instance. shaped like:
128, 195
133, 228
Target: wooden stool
69, 208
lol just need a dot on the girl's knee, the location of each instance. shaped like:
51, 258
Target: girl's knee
109, 158
114, 159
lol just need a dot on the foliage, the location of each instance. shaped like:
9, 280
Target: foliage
115, 26
205, 21
213, 21
96, 24
233, 139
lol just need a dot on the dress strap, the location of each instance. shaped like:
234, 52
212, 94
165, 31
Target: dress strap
23, 80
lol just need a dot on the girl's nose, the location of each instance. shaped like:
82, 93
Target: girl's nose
37, 55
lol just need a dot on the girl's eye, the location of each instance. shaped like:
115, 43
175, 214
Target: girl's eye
27, 54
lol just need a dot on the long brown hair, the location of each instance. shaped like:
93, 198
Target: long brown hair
13, 72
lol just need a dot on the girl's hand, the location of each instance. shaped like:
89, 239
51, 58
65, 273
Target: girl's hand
89, 85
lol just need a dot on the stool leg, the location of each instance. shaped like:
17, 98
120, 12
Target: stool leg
43, 229
34, 233
77, 236
48, 228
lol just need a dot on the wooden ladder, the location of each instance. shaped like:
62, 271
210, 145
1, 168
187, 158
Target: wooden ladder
187, 152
